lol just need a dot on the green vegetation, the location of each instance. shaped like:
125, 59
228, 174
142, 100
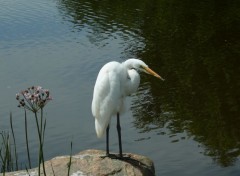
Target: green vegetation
32, 99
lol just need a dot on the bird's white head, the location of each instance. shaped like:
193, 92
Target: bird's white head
140, 66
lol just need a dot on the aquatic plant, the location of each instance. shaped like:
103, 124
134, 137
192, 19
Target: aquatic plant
8, 150
34, 99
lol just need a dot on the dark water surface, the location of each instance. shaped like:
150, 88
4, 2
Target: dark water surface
189, 124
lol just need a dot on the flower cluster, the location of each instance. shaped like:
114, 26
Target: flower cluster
33, 98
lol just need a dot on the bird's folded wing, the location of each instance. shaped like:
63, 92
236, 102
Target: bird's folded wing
106, 99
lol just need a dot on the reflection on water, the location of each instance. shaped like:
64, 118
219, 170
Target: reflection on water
103, 24
193, 45
198, 48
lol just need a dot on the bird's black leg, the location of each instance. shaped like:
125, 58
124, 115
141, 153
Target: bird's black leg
119, 135
107, 141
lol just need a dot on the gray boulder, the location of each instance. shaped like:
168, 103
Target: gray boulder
93, 162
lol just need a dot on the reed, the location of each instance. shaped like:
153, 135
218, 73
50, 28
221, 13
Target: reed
70, 161
8, 155
14, 142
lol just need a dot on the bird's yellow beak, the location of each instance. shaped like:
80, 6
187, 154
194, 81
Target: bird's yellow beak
151, 72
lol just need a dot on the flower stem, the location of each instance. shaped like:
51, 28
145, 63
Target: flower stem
42, 139
26, 133
40, 144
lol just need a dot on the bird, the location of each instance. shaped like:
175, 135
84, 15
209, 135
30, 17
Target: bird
115, 81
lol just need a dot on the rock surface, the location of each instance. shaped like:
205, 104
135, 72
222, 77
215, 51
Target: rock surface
93, 162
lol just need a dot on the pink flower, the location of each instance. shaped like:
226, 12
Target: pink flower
33, 98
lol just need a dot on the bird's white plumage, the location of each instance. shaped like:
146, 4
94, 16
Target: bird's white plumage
106, 96
115, 81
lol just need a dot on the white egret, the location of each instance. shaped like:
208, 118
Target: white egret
115, 81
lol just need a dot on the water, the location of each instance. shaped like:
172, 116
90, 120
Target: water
188, 125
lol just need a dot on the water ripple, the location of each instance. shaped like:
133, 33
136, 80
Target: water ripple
31, 23
102, 27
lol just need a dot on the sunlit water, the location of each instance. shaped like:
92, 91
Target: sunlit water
61, 45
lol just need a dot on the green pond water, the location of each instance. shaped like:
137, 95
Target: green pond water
188, 125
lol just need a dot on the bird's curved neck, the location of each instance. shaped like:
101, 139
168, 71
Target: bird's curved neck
132, 81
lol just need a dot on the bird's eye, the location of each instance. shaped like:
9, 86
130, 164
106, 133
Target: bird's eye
132, 68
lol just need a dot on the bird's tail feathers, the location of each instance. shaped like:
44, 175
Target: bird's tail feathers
100, 128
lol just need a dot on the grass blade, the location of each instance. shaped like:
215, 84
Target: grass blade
70, 161
52, 169
14, 142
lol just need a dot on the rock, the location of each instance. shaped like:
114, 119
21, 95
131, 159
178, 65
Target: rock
93, 162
